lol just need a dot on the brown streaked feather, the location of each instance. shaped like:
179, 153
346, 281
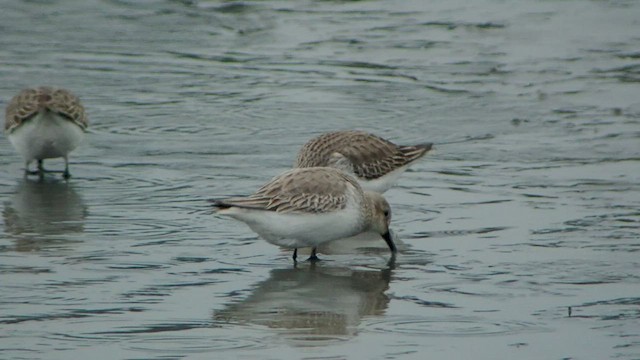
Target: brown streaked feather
370, 156
29, 101
306, 190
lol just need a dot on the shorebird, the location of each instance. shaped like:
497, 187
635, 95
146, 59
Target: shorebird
45, 123
307, 207
376, 163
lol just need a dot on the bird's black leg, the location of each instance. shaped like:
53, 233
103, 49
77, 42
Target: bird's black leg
65, 173
41, 169
314, 256
295, 254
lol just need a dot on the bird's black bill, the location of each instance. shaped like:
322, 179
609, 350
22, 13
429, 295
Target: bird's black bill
389, 241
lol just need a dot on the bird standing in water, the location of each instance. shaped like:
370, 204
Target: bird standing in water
45, 123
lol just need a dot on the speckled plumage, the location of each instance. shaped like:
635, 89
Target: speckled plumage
366, 156
29, 102
303, 191
45, 123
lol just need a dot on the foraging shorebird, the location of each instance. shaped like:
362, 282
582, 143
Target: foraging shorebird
307, 207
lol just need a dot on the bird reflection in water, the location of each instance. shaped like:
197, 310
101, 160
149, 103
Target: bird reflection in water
313, 305
41, 213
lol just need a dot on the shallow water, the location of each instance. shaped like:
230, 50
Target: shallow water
520, 230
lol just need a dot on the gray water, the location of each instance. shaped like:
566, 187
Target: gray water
521, 230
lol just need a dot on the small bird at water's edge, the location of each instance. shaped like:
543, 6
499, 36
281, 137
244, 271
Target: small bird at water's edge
307, 207
45, 123
376, 162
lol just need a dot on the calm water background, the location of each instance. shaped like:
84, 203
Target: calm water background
529, 205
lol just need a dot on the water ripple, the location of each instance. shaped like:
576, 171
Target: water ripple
74, 314
449, 326
446, 233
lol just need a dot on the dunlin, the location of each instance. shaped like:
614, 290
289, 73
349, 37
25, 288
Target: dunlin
376, 163
306, 207
45, 123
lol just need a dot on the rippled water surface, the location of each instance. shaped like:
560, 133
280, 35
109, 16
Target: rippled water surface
520, 231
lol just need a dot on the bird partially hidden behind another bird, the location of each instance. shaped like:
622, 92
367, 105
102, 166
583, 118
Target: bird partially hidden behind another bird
377, 163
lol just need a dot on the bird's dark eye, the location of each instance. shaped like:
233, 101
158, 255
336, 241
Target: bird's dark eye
386, 213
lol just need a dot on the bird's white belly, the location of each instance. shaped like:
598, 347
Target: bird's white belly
383, 183
46, 136
299, 230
